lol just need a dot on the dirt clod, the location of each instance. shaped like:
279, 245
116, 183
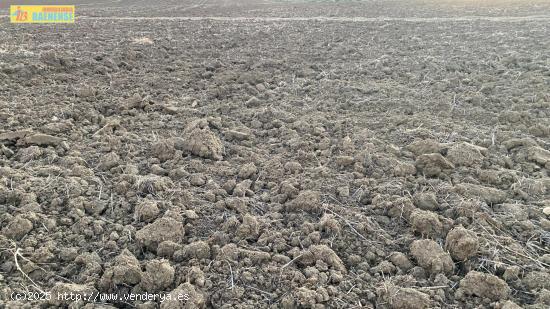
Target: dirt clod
197, 249
466, 154
426, 223
431, 257
486, 194
146, 210
247, 170
401, 260
484, 285
164, 149
402, 298
192, 298
538, 155
250, 227
544, 297
424, 147
201, 141
160, 230
433, 165
158, 276
325, 254
17, 228
308, 201
269, 154
42, 140
109, 161
537, 280
126, 270
68, 288
461, 243
425, 201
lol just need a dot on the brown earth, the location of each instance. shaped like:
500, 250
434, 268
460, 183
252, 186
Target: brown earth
269, 159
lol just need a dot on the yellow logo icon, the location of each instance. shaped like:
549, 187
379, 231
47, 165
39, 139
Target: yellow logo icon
42, 14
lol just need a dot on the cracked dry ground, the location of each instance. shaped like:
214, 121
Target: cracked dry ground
283, 164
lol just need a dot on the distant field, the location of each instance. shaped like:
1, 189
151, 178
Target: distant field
276, 154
